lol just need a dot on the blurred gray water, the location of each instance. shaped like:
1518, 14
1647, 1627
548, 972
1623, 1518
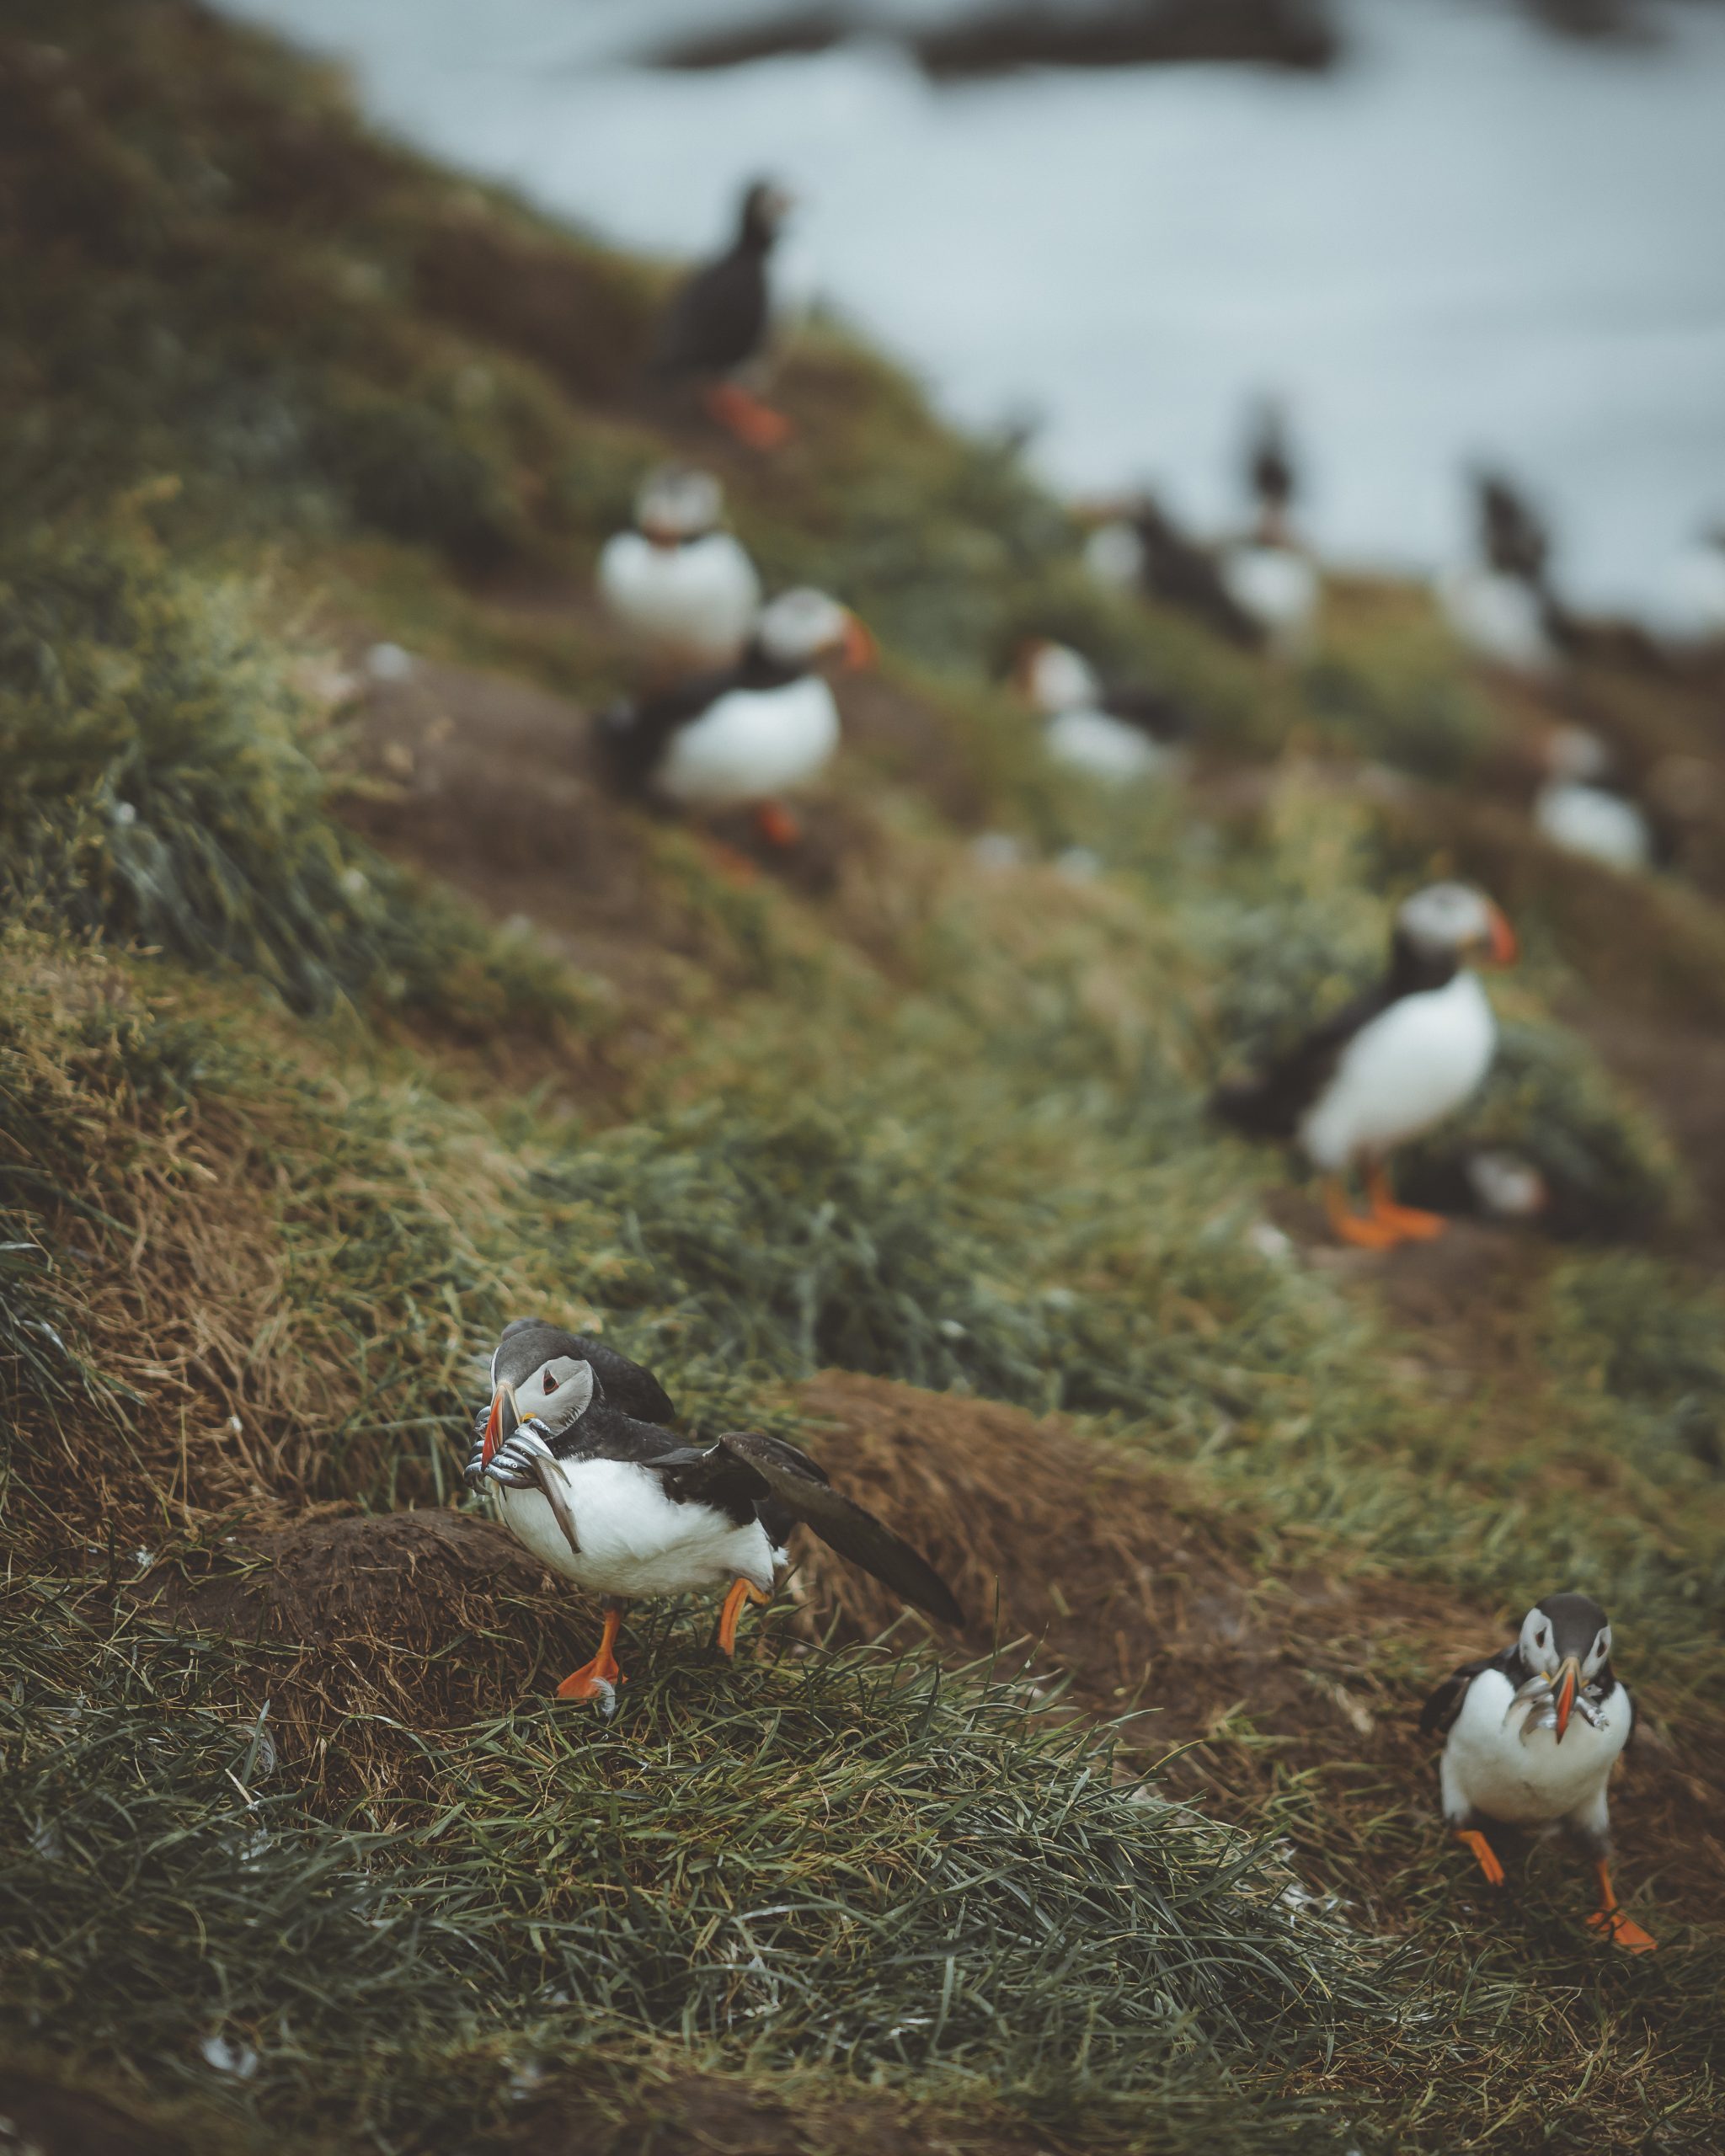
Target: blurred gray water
1471, 239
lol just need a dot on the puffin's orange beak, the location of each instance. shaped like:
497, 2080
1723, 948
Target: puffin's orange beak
1568, 1682
1504, 949
500, 1422
858, 647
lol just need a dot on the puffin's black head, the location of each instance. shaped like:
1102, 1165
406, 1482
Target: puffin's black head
1567, 1637
537, 1370
765, 205
1513, 536
1448, 925
1270, 459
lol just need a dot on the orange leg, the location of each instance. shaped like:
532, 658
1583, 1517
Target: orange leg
599, 1679
1487, 1855
777, 825
742, 1591
1405, 1220
1365, 1231
1608, 1917
754, 424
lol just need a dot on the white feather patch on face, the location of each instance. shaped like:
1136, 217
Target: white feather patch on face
556, 1393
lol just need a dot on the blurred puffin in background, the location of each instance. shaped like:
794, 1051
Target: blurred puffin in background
1577, 810
1501, 605
1388, 1066
717, 322
1270, 575
680, 585
1693, 612
743, 736
574, 1449
1135, 546
1530, 1736
1115, 735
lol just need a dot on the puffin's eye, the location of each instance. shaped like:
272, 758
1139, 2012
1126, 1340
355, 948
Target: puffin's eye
1541, 1637
550, 1382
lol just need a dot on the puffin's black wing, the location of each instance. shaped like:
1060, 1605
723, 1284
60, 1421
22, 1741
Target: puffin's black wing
633, 737
1439, 1712
1150, 711
1272, 1104
746, 1464
716, 319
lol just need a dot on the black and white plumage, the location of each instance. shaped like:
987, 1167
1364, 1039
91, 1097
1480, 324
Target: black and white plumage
614, 1501
1579, 810
1268, 574
1112, 734
1140, 548
1531, 1738
676, 581
1390, 1065
1501, 606
750, 731
716, 324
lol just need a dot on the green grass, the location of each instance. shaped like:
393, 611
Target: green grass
260, 1201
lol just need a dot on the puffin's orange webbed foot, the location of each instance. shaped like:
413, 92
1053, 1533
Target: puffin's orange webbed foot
1406, 1223
1623, 1931
741, 1592
1363, 1230
598, 1679
777, 825
1485, 1855
754, 424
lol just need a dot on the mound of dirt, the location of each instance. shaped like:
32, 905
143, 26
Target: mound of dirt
1122, 1581
370, 1626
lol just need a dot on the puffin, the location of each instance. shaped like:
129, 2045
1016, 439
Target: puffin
717, 322
1530, 1736
1389, 1066
1270, 575
746, 734
1576, 810
1140, 548
1116, 735
573, 1446
1500, 607
676, 581
1693, 609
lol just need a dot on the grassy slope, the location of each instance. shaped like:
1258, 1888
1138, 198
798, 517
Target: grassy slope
285, 1126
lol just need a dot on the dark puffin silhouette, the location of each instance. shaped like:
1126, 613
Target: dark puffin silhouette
717, 322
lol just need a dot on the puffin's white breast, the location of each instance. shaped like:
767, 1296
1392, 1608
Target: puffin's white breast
699, 600
751, 744
1587, 819
634, 1539
1104, 747
1499, 618
1276, 586
1403, 1071
1487, 1765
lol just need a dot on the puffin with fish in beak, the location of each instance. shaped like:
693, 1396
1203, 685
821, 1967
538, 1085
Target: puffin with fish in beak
1530, 1736
586, 1476
1389, 1066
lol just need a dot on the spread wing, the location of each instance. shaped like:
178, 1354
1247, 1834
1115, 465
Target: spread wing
1437, 1715
749, 1466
